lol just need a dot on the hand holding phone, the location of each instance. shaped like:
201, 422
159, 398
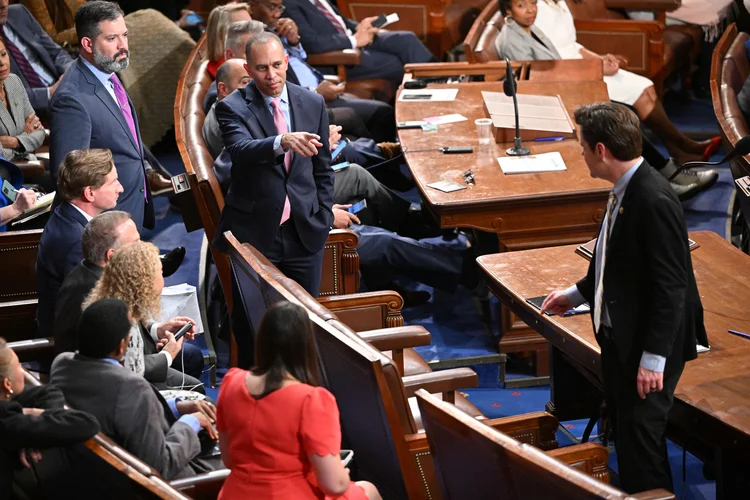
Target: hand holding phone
357, 207
177, 336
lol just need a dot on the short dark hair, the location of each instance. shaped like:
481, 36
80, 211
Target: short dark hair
284, 344
613, 125
504, 6
90, 14
103, 325
261, 38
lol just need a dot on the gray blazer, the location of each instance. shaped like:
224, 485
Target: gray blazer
12, 120
517, 45
129, 410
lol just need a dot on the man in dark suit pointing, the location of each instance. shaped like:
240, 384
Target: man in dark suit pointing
281, 190
91, 109
646, 310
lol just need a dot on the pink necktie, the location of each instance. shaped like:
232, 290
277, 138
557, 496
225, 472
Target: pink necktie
122, 101
282, 128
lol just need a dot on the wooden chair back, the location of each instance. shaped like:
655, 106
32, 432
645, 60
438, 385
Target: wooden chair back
479, 44
476, 461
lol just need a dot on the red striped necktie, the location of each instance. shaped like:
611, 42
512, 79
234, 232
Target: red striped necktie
28, 72
336, 23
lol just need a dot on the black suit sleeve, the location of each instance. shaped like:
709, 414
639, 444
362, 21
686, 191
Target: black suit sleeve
664, 239
58, 427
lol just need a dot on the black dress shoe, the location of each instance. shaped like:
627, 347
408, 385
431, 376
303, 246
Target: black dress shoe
411, 297
171, 261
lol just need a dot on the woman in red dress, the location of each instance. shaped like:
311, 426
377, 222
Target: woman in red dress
279, 433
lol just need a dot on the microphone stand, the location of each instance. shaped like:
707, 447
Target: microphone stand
509, 88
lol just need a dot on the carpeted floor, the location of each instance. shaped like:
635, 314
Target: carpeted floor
455, 320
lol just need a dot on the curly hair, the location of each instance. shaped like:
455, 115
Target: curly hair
130, 277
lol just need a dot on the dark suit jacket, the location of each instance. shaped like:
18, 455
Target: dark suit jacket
317, 32
50, 54
259, 180
649, 286
59, 252
129, 410
83, 115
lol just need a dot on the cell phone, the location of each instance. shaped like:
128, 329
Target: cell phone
9, 191
346, 457
341, 84
193, 19
415, 84
180, 333
417, 97
380, 21
340, 166
457, 150
410, 124
339, 148
357, 207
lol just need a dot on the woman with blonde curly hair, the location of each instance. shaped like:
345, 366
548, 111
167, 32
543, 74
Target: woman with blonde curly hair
134, 276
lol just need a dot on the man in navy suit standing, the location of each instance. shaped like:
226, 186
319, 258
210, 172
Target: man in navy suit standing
34, 56
91, 109
281, 190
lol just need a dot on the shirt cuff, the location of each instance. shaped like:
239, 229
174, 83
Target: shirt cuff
172, 403
653, 362
154, 332
353, 41
192, 421
574, 296
169, 357
48, 94
277, 149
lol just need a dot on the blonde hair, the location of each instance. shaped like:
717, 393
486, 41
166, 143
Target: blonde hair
130, 277
217, 26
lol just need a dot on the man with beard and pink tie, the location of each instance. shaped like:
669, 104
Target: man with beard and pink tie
91, 109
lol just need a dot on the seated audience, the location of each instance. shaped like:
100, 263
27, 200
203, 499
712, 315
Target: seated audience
88, 185
379, 117
545, 30
21, 132
133, 274
216, 31
25, 198
31, 420
164, 434
231, 75
383, 53
279, 433
35, 57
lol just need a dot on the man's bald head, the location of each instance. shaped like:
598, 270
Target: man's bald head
230, 76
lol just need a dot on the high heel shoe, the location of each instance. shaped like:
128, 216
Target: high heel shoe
712, 148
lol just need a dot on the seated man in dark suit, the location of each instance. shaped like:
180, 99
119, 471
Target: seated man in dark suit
383, 53
378, 116
34, 56
104, 234
164, 434
88, 185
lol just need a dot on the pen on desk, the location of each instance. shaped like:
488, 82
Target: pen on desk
739, 334
549, 139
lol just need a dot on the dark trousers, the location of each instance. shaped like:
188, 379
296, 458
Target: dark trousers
384, 207
639, 425
378, 117
387, 55
294, 260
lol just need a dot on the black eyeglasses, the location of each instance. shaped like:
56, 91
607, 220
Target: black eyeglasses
469, 177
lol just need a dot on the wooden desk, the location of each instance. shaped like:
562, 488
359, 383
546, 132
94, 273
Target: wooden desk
711, 414
525, 211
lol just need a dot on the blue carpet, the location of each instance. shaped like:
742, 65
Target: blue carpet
454, 320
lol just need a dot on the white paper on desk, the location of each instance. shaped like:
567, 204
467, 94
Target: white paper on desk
445, 119
546, 162
181, 300
435, 95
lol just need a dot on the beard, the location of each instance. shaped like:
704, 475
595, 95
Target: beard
111, 64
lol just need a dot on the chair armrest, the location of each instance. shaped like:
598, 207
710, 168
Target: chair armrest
332, 78
665, 5
537, 429
24, 347
654, 495
444, 381
589, 458
202, 486
398, 338
347, 57
30, 167
619, 25
351, 308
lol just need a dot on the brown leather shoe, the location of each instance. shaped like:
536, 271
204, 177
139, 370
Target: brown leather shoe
157, 182
390, 149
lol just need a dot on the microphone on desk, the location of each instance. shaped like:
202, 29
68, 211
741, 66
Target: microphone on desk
509, 87
740, 149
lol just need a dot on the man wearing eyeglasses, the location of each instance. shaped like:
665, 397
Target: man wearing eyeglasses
378, 117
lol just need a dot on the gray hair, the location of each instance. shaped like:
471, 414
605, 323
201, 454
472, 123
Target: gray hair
237, 30
101, 234
261, 38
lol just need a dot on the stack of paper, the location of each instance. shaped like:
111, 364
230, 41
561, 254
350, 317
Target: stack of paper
547, 162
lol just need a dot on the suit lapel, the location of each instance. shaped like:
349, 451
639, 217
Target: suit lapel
70, 211
295, 114
257, 106
106, 98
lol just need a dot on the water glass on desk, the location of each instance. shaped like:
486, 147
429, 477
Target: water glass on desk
484, 131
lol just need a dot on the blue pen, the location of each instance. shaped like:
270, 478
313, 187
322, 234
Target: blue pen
739, 334
549, 139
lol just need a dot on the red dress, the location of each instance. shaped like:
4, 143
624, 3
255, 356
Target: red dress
271, 439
